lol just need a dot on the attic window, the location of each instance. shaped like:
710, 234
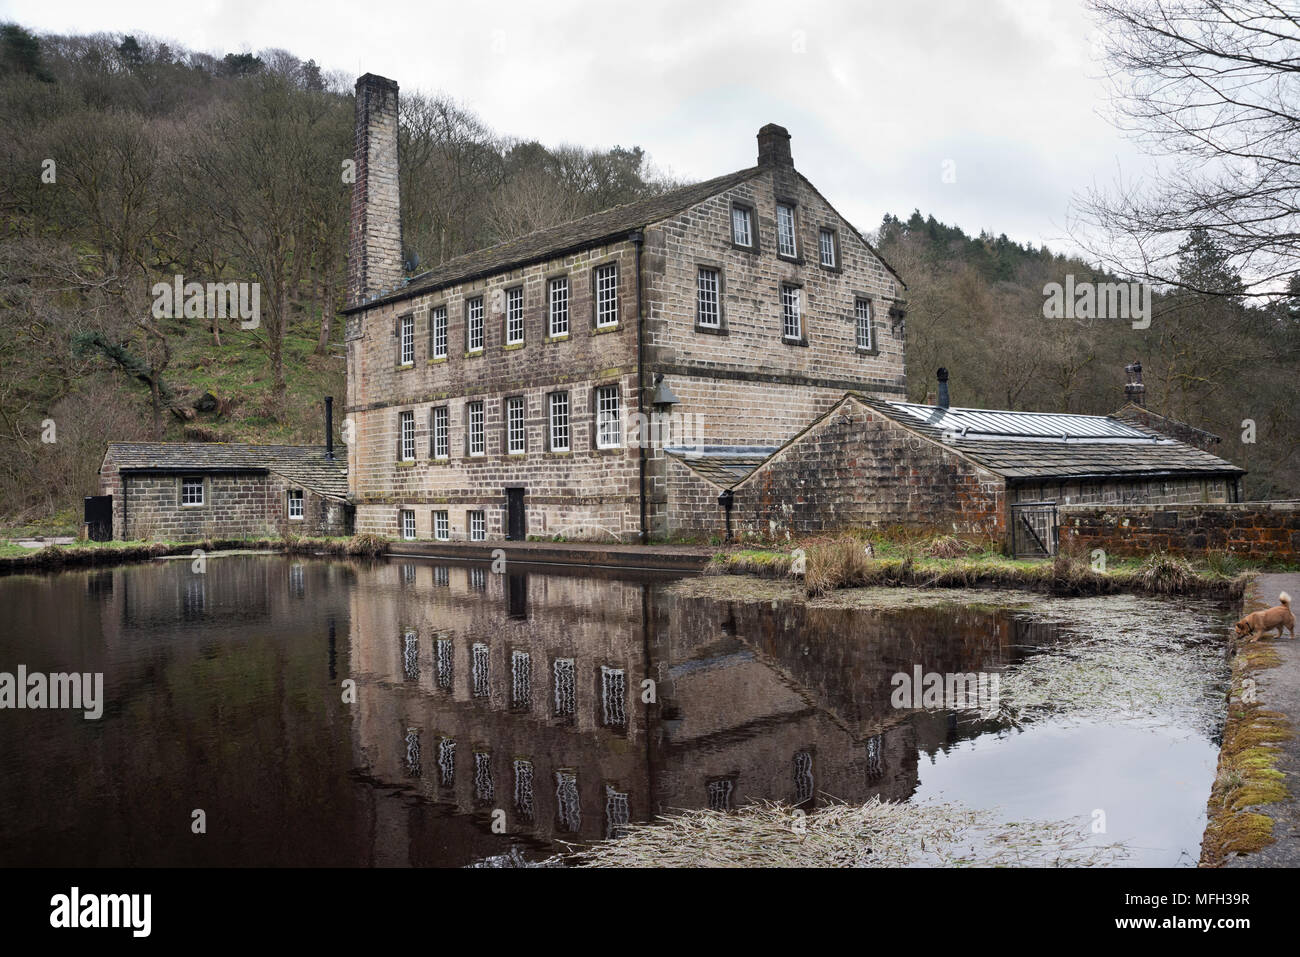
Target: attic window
785, 241
742, 231
826, 244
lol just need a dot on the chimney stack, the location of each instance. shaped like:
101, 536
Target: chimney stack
774, 146
329, 426
1134, 390
375, 244
942, 376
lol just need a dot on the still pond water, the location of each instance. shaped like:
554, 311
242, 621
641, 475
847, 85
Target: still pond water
523, 692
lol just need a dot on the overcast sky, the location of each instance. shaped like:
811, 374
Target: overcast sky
878, 96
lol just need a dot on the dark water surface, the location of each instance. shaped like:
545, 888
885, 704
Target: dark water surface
521, 694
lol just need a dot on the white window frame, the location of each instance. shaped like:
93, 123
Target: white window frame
605, 280
742, 215
441, 525
474, 324
557, 298
515, 316
862, 320
608, 417
405, 419
408, 340
558, 424
476, 434
438, 319
406, 524
441, 432
294, 497
708, 297
516, 433
188, 482
791, 296
787, 241
826, 244
477, 522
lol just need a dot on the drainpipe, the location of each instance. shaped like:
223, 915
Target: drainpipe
638, 240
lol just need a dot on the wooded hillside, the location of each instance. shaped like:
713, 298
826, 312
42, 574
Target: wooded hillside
127, 162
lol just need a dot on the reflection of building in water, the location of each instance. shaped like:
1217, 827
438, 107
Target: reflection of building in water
534, 688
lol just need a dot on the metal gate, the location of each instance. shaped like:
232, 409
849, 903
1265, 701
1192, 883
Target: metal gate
1033, 529
99, 517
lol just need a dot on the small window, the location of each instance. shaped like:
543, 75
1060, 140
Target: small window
191, 491
785, 241
613, 694
558, 415
441, 526
475, 435
407, 436
708, 311
826, 243
521, 680
295, 504
742, 226
606, 296
607, 417
408, 340
565, 687
479, 670
862, 317
441, 433
516, 438
474, 324
558, 323
478, 527
438, 333
408, 524
515, 316
791, 312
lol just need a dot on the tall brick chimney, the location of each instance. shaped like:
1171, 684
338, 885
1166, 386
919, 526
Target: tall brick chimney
774, 146
375, 245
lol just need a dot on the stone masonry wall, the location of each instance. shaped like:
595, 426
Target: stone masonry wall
1258, 530
235, 505
585, 492
857, 468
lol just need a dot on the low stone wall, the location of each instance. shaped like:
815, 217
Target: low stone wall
1260, 530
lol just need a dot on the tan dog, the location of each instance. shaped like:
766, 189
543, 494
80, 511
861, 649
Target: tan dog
1258, 622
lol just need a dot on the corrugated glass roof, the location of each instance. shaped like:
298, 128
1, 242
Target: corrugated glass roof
1049, 425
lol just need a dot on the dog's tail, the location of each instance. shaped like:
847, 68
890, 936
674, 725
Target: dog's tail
1285, 599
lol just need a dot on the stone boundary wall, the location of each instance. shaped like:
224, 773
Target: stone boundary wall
1258, 530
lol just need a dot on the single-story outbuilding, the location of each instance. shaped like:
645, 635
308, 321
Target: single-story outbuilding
182, 491
994, 474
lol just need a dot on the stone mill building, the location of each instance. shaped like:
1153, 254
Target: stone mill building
727, 355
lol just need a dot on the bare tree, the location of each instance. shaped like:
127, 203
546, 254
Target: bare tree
1211, 88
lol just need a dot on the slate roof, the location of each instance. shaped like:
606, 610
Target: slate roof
609, 224
1039, 445
723, 465
304, 464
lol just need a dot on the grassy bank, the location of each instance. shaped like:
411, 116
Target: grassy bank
16, 557
855, 562
1247, 775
